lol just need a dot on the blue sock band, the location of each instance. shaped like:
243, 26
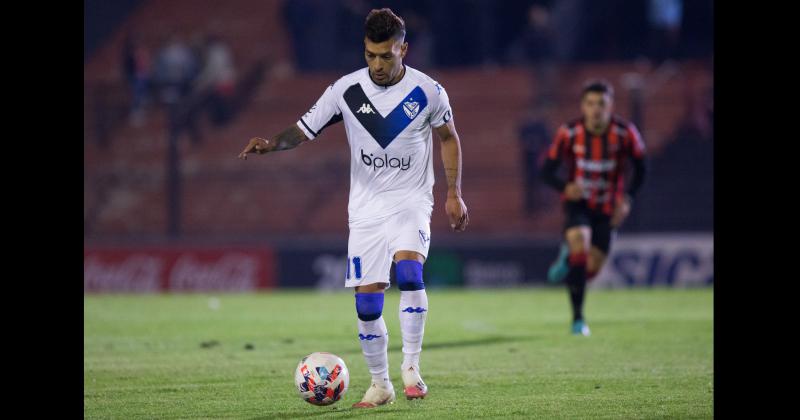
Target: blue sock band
369, 306
409, 275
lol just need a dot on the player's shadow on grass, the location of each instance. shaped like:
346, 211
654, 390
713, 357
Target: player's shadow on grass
436, 345
474, 342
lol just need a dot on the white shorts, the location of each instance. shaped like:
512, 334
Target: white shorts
372, 244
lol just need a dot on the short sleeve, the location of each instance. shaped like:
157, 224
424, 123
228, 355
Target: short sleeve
440, 111
324, 113
559, 143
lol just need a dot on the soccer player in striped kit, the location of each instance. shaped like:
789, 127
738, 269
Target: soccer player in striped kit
596, 149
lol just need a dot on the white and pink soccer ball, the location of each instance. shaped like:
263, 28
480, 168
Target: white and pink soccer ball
322, 378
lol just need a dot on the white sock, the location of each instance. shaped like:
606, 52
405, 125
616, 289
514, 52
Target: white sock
374, 345
413, 311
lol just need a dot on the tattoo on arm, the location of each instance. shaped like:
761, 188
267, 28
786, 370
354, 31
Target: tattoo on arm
453, 178
451, 157
289, 138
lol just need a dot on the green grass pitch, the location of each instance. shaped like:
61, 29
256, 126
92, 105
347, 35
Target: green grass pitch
486, 353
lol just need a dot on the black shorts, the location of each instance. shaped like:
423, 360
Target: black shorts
579, 214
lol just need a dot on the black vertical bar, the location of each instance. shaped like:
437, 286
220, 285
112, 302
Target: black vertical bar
173, 180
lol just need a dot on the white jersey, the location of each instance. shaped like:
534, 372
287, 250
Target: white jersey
389, 132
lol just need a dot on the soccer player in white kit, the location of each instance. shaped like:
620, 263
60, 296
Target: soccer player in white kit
389, 110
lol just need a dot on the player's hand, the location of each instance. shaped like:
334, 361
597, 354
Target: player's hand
457, 213
621, 211
573, 191
257, 145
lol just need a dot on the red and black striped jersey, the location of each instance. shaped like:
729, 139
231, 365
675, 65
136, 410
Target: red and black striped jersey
597, 162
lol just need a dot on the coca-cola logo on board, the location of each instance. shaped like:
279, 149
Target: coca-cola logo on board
136, 273
230, 272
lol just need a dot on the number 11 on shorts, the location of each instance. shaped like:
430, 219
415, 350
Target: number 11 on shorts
356, 267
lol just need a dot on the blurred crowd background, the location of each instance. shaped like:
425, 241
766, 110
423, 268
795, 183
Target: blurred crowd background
173, 89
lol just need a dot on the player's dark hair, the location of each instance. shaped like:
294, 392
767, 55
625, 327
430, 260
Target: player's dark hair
598, 86
383, 24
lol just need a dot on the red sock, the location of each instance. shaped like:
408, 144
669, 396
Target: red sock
577, 259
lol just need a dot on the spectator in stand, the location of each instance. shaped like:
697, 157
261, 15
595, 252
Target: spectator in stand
216, 83
535, 48
421, 37
176, 70
665, 18
138, 72
535, 44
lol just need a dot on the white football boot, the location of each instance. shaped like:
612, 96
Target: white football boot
413, 386
376, 395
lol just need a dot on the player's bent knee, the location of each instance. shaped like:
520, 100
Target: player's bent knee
409, 275
577, 249
578, 238
369, 306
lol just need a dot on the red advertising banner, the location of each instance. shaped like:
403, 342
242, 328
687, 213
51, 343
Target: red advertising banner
154, 269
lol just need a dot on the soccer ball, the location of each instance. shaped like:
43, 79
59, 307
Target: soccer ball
321, 378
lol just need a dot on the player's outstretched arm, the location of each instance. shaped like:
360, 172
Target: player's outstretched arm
623, 208
451, 157
287, 139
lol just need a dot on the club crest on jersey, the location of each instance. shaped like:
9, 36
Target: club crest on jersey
411, 108
365, 109
578, 149
385, 129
